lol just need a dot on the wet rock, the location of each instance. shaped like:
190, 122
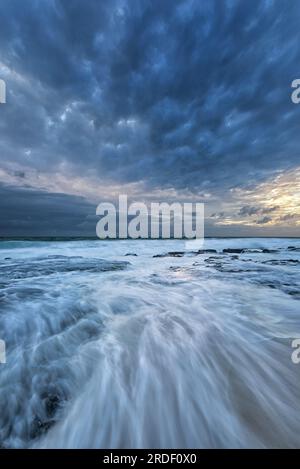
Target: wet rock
38, 427
294, 293
175, 269
233, 250
282, 262
213, 260
206, 251
171, 254
249, 250
44, 267
52, 404
60, 256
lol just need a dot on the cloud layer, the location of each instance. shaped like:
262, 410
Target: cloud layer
180, 96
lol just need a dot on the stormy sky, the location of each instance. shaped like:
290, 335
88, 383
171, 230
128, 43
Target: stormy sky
162, 100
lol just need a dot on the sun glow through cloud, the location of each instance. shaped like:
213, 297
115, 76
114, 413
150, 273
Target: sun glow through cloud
274, 202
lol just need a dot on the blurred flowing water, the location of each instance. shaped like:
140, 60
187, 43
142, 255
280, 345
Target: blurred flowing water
110, 347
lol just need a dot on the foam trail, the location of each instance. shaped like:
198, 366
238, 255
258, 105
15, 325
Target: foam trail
162, 352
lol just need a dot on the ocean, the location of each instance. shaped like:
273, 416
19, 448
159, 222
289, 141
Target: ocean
143, 344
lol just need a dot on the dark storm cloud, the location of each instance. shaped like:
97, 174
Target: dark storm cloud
218, 216
248, 210
270, 209
181, 94
264, 220
289, 217
24, 212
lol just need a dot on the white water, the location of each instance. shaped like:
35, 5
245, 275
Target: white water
162, 352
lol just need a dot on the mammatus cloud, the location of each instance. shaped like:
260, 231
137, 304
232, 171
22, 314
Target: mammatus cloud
152, 99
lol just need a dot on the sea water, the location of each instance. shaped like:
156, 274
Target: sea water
127, 344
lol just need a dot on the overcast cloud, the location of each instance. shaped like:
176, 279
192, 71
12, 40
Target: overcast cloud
184, 96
